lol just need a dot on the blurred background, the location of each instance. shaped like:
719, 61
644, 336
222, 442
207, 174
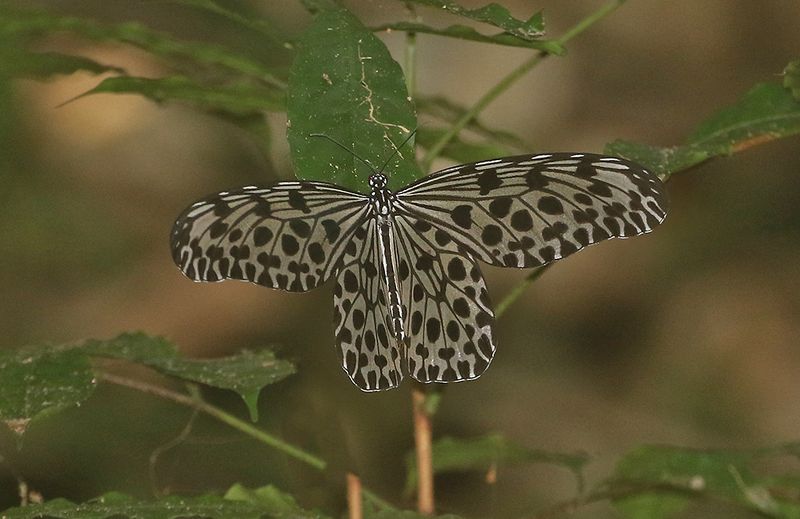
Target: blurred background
688, 336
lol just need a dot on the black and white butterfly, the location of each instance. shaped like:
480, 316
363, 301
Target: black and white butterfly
409, 295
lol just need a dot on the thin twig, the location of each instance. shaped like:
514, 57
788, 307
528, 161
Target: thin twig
424, 452
355, 509
169, 445
517, 291
510, 79
196, 402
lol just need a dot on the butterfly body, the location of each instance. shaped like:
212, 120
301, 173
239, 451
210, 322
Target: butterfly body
409, 295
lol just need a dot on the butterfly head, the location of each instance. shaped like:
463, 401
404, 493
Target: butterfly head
377, 181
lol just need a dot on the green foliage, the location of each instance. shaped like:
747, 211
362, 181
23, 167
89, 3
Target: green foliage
494, 14
345, 84
40, 381
791, 78
664, 479
37, 381
487, 452
767, 112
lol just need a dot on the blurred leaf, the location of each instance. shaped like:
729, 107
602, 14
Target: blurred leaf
246, 373
272, 501
258, 25
791, 78
669, 476
39, 381
493, 14
404, 514
238, 99
16, 62
463, 32
119, 506
345, 84
452, 454
765, 113
459, 150
446, 110
26, 25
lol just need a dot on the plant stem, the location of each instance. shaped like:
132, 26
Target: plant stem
517, 291
196, 402
422, 440
354, 504
510, 79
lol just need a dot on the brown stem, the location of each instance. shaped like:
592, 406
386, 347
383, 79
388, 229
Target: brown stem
354, 502
422, 438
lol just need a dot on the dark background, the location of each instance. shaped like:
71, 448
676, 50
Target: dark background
688, 336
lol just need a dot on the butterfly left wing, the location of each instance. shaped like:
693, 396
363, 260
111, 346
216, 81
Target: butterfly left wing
448, 318
369, 353
527, 211
289, 236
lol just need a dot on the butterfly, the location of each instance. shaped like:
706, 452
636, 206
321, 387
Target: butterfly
409, 295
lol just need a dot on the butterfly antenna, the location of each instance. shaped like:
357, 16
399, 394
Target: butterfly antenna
345, 148
397, 149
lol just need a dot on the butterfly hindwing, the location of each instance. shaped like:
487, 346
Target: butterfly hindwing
369, 353
527, 211
289, 236
448, 318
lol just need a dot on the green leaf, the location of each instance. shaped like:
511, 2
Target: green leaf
119, 506
25, 25
344, 84
494, 14
237, 99
405, 514
463, 32
37, 382
274, 502
459, 150
452, 454
765, 113
791, 78
669, 476
16, 62
246, 373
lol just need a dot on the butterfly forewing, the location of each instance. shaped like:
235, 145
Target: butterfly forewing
289, 236
448, 318
369, 352
526, 211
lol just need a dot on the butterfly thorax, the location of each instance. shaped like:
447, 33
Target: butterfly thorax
382, 200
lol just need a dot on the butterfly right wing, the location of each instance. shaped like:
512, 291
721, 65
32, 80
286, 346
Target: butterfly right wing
290, 236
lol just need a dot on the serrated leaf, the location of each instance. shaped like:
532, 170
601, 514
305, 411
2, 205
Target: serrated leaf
483, 453
119, 506
237, 99
276, 503
791, 78
345, 84
494, 14
246, 373
669, 476
27, 25
463, 32
15, 62
459, 150
39, 381
765, 113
